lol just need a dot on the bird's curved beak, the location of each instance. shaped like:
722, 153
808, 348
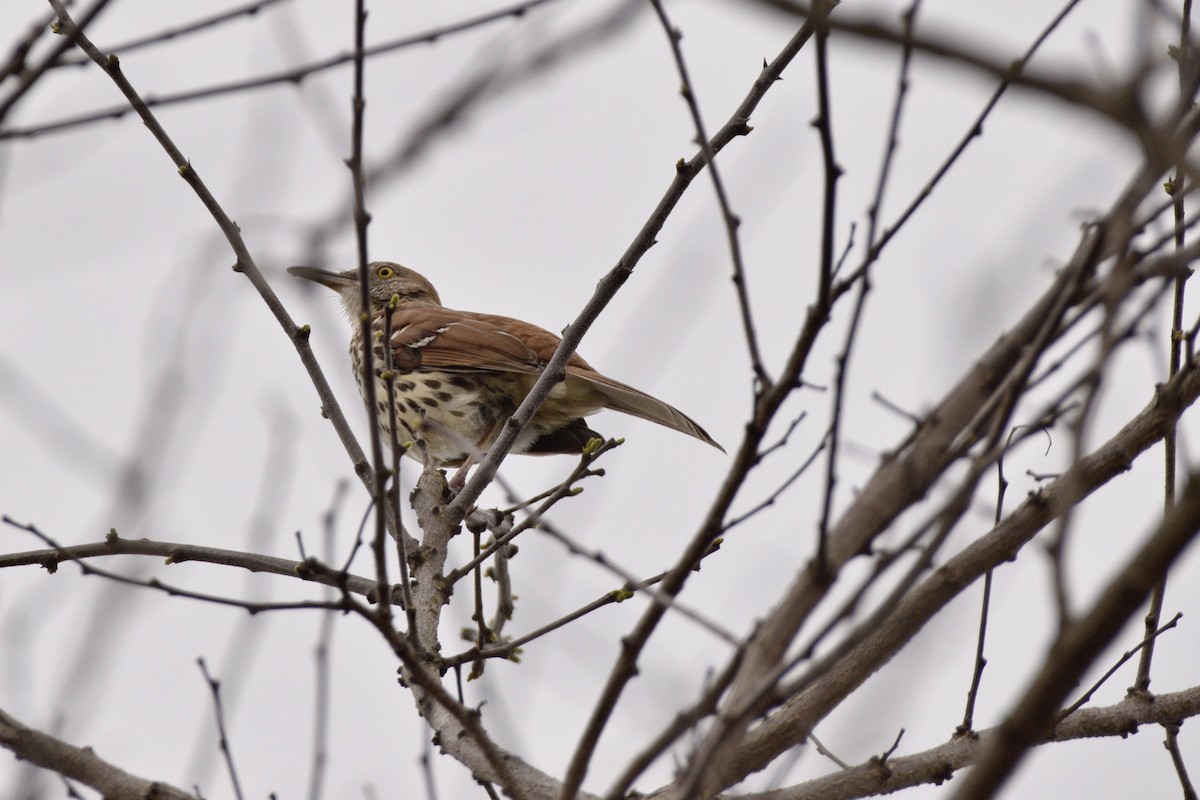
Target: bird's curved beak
334, 280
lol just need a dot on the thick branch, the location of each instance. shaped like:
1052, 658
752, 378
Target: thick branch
938, 764
799, 715
80, 764
1080, 643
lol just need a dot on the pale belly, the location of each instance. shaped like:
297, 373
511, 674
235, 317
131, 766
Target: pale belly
442, 417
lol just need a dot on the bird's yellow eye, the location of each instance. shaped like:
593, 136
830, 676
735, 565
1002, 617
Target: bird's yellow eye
385, 272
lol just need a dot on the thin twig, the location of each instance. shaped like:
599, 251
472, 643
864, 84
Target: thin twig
170, 34
825, 751
15, 65
1128, 654
63, 553
482, 636
732, 221
1115, 104
30, 75
770, 499
214, 687
321, 666
366, 378
968, 723
1170, 442
893, 135
832, 173
658, 598
245, 261
1172, 744
510, 648
397, 451
289, 77
565, 489
975, 130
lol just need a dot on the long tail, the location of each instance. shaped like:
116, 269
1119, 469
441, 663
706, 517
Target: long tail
639, 404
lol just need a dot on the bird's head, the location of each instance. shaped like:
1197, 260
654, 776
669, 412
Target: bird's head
385, 280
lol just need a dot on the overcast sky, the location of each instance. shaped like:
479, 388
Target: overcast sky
145, 387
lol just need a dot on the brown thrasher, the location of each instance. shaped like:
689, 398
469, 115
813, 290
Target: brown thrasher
459, 375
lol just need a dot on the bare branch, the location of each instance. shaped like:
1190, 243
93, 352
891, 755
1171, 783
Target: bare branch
938, 764
245, 262
80, 763
1079, 644
214, 687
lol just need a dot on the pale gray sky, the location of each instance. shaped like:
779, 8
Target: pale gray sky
111, 270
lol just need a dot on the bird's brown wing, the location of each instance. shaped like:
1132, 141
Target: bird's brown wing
440, 338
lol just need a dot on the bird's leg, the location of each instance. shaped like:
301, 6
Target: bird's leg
475, 454
459, 478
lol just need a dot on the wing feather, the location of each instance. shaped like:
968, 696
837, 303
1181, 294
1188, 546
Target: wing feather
625, 398
441, 338
434, 337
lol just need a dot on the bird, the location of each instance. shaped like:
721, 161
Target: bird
458, 375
